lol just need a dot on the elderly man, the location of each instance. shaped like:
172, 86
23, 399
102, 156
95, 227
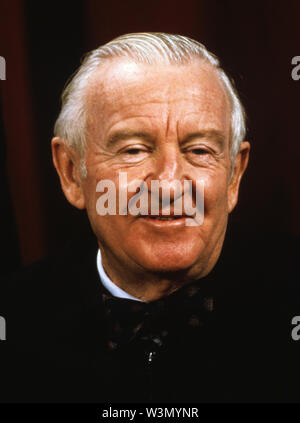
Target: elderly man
146, 314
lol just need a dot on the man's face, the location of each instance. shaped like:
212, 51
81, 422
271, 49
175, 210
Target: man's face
159, 122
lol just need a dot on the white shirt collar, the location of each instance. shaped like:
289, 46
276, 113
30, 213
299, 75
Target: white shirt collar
108, 283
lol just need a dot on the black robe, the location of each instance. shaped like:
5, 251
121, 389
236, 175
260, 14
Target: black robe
56, 347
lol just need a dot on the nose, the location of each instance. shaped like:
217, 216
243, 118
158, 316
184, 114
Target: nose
167, 169
168, 164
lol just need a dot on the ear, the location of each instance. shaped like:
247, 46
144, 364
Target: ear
66, 161
241, 162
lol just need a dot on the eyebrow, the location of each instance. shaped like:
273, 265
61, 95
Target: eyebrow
211, 134
117, 136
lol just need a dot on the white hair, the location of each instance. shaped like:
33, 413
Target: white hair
149, 48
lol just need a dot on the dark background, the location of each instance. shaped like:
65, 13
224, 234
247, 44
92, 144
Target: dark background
43, 42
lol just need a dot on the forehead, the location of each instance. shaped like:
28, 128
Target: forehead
122, 89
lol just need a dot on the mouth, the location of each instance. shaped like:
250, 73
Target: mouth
164, 218
161, 222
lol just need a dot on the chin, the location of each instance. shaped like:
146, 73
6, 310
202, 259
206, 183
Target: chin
168, 259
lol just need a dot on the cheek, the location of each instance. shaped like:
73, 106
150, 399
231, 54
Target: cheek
89, 191
95, 175
215, 192
93, 193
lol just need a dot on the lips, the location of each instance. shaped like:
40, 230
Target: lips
170, 219
162, 218
161, 223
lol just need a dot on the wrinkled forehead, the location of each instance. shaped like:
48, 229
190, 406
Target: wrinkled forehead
122, 86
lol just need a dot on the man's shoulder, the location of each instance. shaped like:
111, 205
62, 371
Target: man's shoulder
52, 318
51, 292
260, 270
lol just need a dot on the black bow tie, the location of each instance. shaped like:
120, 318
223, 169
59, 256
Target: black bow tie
152, 322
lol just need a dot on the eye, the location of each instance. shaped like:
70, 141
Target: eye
199, 151
198, 154
133, 151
